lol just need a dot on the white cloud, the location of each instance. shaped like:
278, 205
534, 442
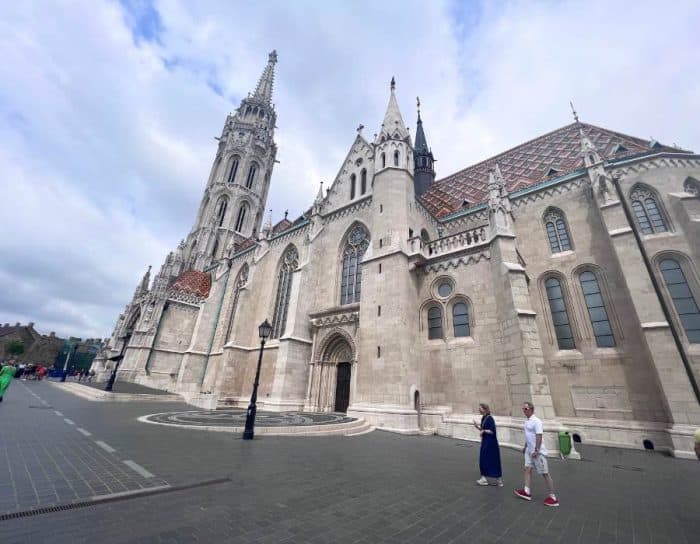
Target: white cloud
106, 140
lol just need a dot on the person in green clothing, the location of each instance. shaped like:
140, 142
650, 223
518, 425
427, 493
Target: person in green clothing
6, 375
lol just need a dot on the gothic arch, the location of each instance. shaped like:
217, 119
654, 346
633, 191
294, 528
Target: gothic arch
568, 308
329, 343
606, 293
557, 231
288, 264
648, 209
345, 253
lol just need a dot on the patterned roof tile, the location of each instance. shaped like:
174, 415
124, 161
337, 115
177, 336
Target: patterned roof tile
195, 282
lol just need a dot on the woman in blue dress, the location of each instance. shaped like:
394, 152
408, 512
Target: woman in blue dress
489, 456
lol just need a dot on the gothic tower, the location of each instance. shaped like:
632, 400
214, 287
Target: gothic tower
234, 200
423, 157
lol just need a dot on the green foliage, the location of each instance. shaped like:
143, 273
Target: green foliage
14, 347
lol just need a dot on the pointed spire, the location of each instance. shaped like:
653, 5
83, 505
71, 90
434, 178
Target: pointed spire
588, 150
421, 146
393, 124
263, 91
319, 196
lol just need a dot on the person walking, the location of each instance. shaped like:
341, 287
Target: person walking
6, 374
489, 455
535, 456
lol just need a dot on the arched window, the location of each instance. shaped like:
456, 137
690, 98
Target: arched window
383, 160
351, 278
363, 181
460, 319
683, 299
221, 211
396, 158
560, 317
434, 322
557, 232
240, 221
290, 261
647, 211
596, 310
233, 168
240, 283
251, 175
352, 186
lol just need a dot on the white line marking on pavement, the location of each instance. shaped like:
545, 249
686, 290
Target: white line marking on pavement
83, 431
69, 421
105, 446
138, 468
58, 413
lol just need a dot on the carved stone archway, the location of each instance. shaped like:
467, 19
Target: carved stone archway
331, 370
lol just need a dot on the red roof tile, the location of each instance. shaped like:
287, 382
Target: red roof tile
195, 282
553, 154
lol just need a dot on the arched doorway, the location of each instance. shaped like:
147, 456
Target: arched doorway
331, 376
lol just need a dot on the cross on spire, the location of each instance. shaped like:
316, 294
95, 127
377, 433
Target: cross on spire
574, 111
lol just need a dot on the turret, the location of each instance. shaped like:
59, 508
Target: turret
424, 171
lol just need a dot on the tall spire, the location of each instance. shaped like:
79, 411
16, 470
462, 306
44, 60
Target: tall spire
393, 126
263, 91
424, 172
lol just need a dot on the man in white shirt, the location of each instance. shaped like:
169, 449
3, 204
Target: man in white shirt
535, 456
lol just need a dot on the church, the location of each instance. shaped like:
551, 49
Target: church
563, 271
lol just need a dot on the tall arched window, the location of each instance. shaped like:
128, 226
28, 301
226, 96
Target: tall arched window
460, 319
647, 211
240, 283
383, 160
363, 181
350, 281
251, 175
560, 317
233, 168
434, 322
240, 221
596, 310
683, 299
557, 232
352, 186
221, 211
396, 158
290, 261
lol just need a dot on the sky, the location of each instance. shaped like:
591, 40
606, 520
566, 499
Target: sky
109, 109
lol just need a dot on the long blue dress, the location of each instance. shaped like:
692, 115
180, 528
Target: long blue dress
489, 456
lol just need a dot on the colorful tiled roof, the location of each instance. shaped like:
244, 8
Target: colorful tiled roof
195, 282
551, 155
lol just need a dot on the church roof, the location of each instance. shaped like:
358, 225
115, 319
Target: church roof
551, 155
194, 282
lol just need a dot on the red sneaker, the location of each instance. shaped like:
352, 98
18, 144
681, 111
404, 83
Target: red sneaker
549, 501
522, 494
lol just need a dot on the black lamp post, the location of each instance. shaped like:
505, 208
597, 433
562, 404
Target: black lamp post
117, 359
265, 329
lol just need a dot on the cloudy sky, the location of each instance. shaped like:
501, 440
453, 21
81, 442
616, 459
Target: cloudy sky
108, 111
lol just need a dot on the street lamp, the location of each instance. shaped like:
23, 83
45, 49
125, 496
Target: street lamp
73, 349
117, 359
264, 330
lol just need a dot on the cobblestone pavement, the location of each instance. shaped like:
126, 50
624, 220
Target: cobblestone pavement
236, 417
377, 487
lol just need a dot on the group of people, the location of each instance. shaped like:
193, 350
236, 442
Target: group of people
534, 451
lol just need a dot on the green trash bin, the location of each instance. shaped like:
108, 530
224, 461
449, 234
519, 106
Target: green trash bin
564, 443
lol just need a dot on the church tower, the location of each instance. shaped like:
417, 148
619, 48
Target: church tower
234, 200
423, 157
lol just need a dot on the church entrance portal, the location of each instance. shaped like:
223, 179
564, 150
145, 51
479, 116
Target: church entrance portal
331, 373
342, 388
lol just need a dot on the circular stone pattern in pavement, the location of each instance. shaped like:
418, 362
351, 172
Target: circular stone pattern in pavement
235, 418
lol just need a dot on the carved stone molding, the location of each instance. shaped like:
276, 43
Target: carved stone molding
335, 316
347, 210
658, 162
465, 260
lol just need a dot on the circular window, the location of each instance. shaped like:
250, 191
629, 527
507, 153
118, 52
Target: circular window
445, 289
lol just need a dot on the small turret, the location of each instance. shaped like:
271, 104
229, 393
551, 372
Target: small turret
424, 171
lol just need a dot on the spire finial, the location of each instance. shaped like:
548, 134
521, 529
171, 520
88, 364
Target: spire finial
418, 106
393, 84
272, 57
264, 89
359, 130
574, 111
286, 212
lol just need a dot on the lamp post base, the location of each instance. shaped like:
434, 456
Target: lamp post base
249, 432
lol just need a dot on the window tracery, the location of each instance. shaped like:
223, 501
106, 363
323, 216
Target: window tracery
290, 262
647, 211
351, 278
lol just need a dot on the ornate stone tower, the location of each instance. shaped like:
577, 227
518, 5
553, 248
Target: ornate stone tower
234, 200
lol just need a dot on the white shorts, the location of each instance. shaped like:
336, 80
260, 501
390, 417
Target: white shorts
539, 462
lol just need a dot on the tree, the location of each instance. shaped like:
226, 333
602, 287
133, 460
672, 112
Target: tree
14, 347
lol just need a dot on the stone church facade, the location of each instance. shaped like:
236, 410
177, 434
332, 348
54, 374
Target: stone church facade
563, 271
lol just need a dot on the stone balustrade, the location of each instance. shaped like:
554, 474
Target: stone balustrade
447, 244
